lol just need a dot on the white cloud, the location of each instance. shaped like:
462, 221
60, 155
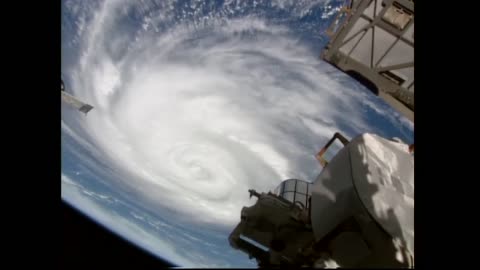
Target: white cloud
298, 7
168, 241
74, 194
198, 116
171, 117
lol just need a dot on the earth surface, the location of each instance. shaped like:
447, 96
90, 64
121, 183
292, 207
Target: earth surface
195, 102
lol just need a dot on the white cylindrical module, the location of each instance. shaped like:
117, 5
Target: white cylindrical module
369, 175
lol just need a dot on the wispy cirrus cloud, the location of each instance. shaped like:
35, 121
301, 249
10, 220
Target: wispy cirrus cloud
199, 107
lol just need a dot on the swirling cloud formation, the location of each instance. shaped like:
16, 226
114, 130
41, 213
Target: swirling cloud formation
197, 103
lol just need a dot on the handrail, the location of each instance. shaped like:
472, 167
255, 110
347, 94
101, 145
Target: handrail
321, 153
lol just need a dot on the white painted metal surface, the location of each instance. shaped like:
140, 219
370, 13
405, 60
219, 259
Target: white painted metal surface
370, 172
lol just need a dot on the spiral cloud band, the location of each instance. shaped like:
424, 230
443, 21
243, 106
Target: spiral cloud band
197, 105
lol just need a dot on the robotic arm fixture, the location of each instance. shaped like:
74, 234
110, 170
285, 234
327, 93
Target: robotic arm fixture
73, 101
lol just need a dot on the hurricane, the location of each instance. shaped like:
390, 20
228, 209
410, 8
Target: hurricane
195, 102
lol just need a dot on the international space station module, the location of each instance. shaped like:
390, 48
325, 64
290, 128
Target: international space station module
357, 213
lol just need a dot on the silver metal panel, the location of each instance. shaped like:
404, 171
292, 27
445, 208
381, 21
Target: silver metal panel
373, 45
400, 53
362, 52
359, 24
409, 33
383, 41
350, 44
370, 9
